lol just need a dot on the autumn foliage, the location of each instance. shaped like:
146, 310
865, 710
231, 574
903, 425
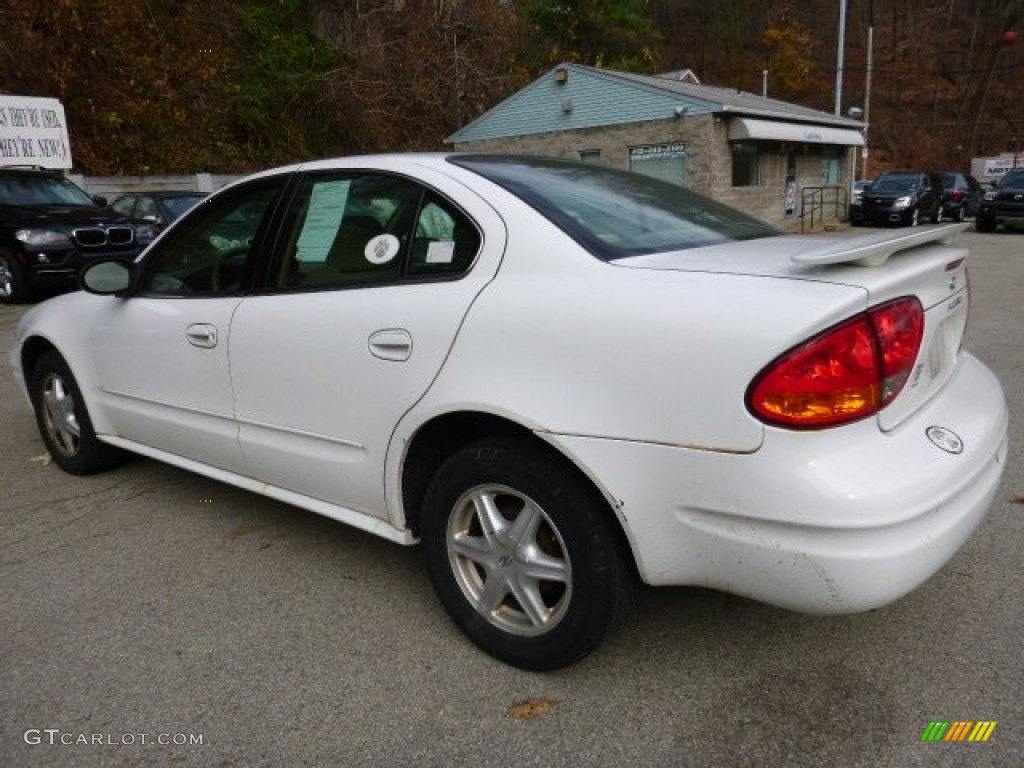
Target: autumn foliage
175, 86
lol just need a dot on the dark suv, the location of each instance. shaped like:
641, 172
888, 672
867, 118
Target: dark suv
49, 229
1004, 204
903, 197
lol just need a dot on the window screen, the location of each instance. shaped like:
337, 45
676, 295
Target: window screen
660, 161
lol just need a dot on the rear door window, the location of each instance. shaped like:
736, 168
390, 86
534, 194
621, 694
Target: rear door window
359, 229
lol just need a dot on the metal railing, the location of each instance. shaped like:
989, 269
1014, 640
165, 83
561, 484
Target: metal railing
816, 200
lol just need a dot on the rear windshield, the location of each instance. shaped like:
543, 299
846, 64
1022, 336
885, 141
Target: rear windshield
615, 214
179, 204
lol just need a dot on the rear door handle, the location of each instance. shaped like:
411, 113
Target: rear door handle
391, 344
202, 335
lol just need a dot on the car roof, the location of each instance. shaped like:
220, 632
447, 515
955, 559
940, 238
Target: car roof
163, 193
901, 175
34, 170
399, 162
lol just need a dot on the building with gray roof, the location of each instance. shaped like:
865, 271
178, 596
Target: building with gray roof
767, 157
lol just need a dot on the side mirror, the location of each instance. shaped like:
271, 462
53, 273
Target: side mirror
100, 200
110, 277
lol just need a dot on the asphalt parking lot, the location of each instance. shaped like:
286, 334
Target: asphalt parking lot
166, 619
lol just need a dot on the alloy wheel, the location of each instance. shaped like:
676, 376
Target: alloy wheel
59, 417
509, 560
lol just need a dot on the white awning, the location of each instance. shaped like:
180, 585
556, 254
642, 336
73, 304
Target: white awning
745, 128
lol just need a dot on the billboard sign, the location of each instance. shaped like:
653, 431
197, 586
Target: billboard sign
34, 132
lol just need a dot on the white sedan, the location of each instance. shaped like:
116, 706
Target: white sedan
558, 377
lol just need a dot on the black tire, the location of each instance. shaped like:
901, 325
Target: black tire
985, 224
557, 574
64, 422
937, 215
14, 287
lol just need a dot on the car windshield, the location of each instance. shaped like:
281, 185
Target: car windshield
612, 213
178, 204
37, 189
1013, 179
948, 180
895, 184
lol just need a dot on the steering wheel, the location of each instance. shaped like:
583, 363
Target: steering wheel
230, 258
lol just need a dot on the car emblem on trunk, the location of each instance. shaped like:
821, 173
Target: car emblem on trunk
945, 439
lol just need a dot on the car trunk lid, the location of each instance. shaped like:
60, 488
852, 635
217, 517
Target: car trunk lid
885, 265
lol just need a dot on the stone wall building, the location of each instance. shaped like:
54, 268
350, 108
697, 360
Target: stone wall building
761, 155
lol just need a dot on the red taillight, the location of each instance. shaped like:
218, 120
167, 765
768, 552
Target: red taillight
846, 373
958, 195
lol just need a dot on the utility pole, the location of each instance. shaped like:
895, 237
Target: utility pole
867, 89
839, 57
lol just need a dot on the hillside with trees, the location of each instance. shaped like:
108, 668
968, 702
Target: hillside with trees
229, 86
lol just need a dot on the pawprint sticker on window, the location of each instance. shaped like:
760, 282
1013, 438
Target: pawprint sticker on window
381, 249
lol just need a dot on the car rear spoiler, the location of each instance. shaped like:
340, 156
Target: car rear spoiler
875, 248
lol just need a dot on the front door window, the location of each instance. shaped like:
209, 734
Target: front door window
214, 252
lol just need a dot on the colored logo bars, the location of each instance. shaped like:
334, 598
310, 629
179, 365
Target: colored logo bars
959, 730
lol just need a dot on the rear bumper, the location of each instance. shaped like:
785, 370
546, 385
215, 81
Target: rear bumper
950, 207
836, 521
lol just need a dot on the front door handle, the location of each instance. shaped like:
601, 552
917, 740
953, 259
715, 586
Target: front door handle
202, 335
391, 344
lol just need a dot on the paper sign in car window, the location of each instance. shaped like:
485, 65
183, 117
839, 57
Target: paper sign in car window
326, 205
441, 252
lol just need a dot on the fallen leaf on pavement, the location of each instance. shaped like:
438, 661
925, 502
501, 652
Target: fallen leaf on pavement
531, 708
